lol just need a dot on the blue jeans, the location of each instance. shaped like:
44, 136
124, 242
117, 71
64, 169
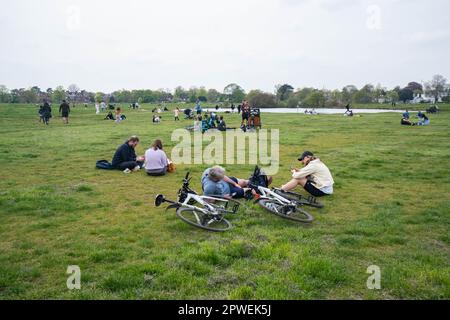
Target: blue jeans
218, 189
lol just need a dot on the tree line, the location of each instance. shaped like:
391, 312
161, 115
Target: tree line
435, 90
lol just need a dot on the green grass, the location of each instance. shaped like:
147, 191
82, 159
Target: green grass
391, 208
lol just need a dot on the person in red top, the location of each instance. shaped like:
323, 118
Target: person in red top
245, 112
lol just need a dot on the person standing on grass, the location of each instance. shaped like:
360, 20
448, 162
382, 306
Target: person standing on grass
177, 114
315, 177
156, 161
46, 112
245, 113
64, 110
41, 118
198, 108
125, 158
97, 108
103, 106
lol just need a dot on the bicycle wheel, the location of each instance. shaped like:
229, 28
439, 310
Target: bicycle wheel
300, 199
286, 212
198, 219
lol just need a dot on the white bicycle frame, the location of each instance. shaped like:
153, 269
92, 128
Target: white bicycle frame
270, 195
202, 200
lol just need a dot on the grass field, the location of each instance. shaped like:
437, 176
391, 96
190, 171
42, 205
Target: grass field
391, 208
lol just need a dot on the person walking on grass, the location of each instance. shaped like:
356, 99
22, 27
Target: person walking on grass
46, 113
64, 110
177, 114
314, 177
125, 158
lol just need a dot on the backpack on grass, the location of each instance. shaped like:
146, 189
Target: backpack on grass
104, 165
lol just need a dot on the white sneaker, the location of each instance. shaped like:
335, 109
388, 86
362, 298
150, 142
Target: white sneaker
127, 171
137, 169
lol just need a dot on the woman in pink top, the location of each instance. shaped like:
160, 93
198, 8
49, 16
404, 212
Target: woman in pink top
156, 161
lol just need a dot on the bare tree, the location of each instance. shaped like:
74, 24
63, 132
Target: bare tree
436, 87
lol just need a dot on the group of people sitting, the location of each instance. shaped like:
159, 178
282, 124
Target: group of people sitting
155, 161
312, 112
135, 106
423, 119
314, 177
208, 122
118, 117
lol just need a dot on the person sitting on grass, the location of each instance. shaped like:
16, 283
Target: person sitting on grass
222, 125
315, 177
406, 115
156, 119
125, 158
205, 124
156, 161
212, 121
424, 119
188, 114
407, 122
109, 116
118, 115
216, 184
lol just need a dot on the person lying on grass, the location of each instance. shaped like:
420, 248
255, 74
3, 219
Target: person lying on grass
314, 177
125, 158
216, 184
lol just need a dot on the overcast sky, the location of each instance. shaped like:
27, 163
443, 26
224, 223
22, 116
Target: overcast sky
132, 44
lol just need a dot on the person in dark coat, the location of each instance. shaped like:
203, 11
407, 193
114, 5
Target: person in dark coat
46, 112
64, 110
125, 158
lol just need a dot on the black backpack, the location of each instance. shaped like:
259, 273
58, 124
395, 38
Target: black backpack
104, 165
259, 178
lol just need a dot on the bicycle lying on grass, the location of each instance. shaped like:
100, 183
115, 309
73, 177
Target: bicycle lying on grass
283, 204
207, 213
